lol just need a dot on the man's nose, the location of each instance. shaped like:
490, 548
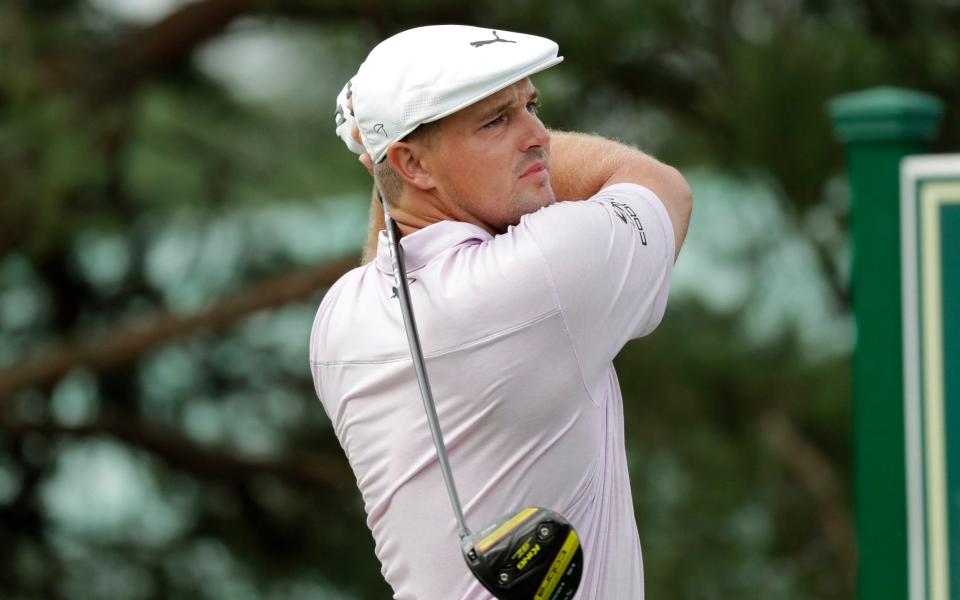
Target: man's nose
535, 133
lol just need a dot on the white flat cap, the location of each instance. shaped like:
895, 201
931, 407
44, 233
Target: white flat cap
424, 74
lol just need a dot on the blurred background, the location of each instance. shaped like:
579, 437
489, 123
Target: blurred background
174, 203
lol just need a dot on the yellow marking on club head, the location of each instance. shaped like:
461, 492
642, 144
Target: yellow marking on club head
522, 549
526, 559
559, 566
502, 531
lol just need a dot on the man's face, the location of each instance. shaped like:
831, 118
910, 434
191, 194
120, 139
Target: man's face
492, 159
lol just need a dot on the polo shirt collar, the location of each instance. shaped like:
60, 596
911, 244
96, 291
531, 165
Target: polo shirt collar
421, 246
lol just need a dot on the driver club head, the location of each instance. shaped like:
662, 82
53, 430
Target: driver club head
531, 554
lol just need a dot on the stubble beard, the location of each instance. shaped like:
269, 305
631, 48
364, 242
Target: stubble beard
528, 202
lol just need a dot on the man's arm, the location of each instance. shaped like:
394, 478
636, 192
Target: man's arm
581, 165
375, 226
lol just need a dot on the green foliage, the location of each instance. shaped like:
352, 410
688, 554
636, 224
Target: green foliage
150, 170
706, 481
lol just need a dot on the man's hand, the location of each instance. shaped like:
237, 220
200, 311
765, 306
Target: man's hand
347, 125
365, 159
375, 223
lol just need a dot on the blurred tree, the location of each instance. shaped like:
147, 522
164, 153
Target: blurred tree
167, 228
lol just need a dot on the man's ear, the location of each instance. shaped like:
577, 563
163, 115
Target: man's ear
407, 160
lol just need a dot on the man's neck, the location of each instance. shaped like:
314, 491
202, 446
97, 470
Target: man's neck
429, 210
418, 209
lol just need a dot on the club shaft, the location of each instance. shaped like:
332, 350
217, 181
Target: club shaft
416, 352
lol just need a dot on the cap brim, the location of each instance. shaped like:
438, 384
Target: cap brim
531, 70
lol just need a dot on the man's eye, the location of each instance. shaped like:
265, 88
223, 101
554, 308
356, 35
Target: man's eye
495, 122
533, 107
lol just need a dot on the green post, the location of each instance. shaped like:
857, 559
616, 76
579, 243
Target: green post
879, 127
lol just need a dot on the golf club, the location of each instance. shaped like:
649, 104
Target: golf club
532, 553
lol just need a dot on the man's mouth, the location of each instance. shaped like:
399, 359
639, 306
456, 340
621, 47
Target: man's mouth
534, 168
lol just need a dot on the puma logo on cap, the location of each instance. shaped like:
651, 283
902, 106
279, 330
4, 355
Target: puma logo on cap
496, 38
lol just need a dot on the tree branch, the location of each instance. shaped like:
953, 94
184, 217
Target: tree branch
111, 350
816, 474
203, 461
169, 43
171, 40
831, 274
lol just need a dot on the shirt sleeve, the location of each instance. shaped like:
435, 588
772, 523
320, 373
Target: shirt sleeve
610, 258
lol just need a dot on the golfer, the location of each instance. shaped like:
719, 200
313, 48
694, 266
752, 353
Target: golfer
522, 302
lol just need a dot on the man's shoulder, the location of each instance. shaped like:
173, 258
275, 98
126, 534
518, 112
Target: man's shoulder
331, 308
612, 199
350, 279
572, 232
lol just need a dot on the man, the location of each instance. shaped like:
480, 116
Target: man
522, 302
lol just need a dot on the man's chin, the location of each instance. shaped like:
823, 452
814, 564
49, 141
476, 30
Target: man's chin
529, 203
534, 201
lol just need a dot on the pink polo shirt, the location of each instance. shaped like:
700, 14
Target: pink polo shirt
519, 331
